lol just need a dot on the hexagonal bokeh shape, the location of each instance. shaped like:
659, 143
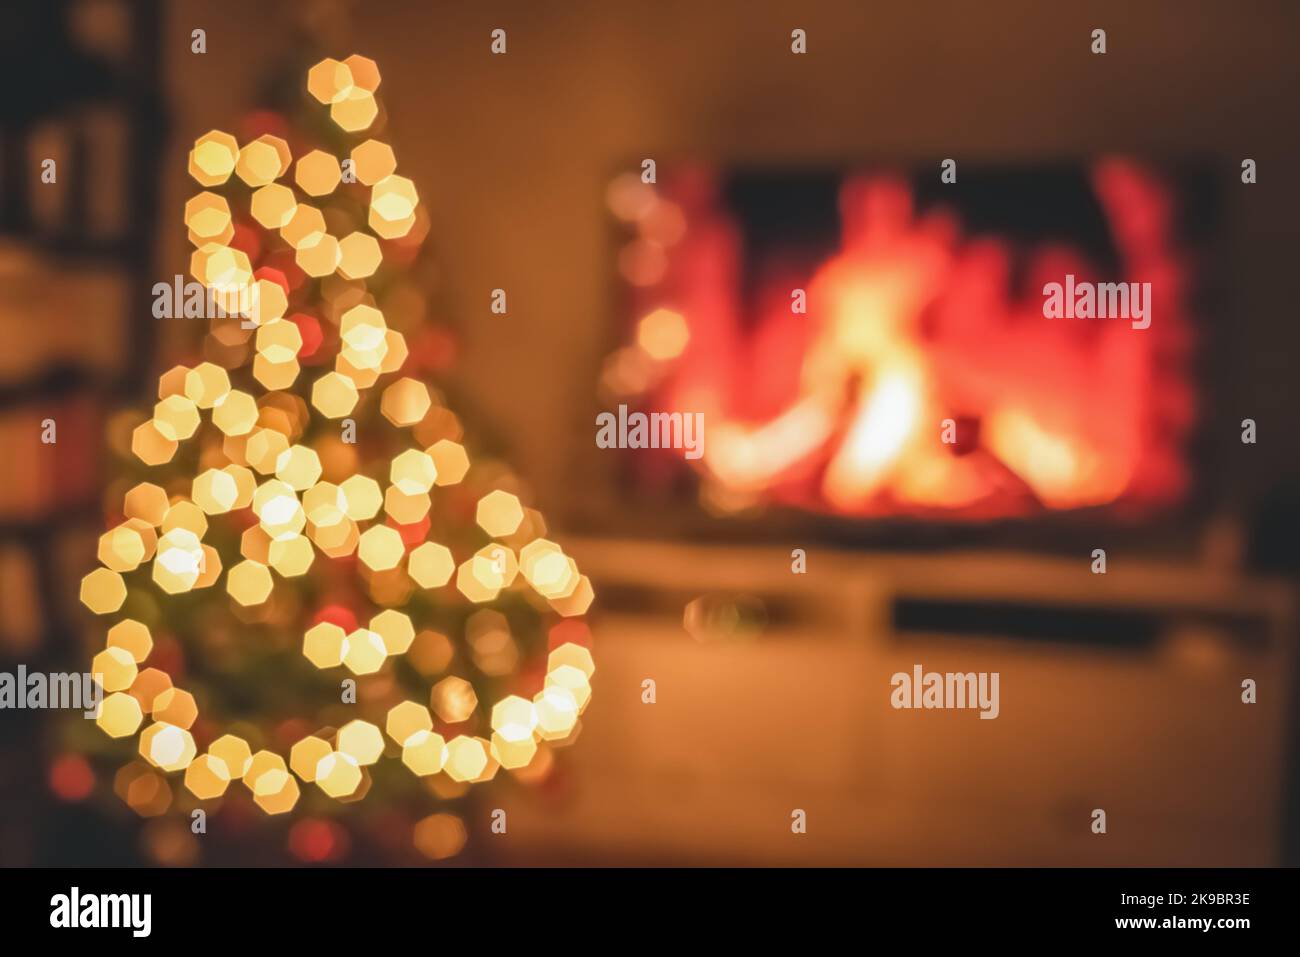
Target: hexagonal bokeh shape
132, 637
362, 741
103, 591
273, 206
394, 629
207, 777
329, 80
175, 706
323, 645
450, 459
380, 548
361, 497
338, 775
424, 752
235, 413
453, 699
405, 719
364, 652
334, 395
234, 752
317, 173
466, 758
213, 158
305, 756
249, 583
120, 715
514, 718
147, 502
430, 565
499, 513
359, 255
373, 161
355, 111
166, 746
121, 549
276, 792
405, 402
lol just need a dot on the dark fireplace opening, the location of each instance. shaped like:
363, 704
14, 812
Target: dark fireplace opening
883, 357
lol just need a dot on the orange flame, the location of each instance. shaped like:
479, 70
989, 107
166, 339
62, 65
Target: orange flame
917, 383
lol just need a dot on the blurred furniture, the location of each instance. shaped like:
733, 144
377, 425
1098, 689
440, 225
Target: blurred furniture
1119, 691
76, 272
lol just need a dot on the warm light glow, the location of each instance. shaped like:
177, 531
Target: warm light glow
920, 379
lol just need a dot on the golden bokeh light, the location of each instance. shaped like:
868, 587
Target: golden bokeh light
412, 472
466, 758
364, 652
213, 158
380, 548
395, 630
103, 591
175, 706
121, 549
439, 836
235, 413
207, 216
557, 712
279, 340
573, 655
147, 502
405, 719
249, 582
150, 446
450, 459
273, 206
306, 755
317, 173
206, 384
430, 565
499, 513
355, 111
120, 715
334, 395
361, 741
323, 645
405, 402
338, 774
298, 467
362, 496
453, 699
329, 80
513, 755
306, 227
167, 746
132, 637
207, 777
294, 288
215, 491
359, 255
234, 752
373, 161
514, 718
276, 792
663, 334
319, 258
263, 161
179, 561
424, 752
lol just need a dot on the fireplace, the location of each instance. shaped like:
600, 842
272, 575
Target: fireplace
881, 355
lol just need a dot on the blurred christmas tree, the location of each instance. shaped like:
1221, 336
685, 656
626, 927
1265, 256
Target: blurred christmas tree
315, 595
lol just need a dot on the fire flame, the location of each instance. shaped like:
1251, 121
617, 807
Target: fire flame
918, 382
